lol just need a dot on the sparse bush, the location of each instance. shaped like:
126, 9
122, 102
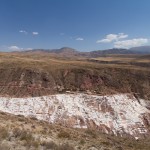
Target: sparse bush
29, 140
65, 146
53, 146
2, 113
35, 143
27, 136
21, 118
82, 142
16, 132
91, 133
44, 131
33, 118
106, 143
49, 145
63, 134
3, 133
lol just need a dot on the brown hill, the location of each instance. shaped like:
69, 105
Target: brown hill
24, 75
62, 52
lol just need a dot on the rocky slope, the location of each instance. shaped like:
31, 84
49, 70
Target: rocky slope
20, 133
22, 82
120, 114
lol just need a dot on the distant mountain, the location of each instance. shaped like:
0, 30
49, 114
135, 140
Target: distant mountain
135, 50
64, 51
109, 51
70, 52
141, 49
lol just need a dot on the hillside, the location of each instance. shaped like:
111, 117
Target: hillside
20, 133
96, 96
23, 75
62, 52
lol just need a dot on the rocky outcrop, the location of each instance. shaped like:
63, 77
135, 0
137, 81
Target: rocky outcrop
120, 114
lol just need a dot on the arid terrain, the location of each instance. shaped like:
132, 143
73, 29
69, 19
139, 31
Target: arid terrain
82, 102
38, 74
20, 133
74, 75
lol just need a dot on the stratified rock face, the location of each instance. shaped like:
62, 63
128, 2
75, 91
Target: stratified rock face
121, 114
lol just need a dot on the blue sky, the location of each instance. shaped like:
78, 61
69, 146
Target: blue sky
81, 24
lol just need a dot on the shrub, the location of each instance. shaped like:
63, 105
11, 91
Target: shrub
82, 142
3, 133
91, 133
33, 118
2, 113
49, 145
65, 146
63, 134
16, 132
35, 143
21, 118
53, 146
26, 136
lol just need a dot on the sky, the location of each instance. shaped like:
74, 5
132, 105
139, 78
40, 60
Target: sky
84, 25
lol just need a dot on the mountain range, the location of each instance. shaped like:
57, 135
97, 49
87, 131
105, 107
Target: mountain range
67, 52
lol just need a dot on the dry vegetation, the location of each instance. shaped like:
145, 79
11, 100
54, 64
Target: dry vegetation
30, 74
136, 61
36, 74
20, 133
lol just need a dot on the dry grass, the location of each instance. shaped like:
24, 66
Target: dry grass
48, 61
44, 73
19, 134
24, 132
63, 134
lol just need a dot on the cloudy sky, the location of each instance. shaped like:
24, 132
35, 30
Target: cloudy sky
81, 24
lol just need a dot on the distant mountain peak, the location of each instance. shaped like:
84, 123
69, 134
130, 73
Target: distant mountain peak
65, 49
70, 52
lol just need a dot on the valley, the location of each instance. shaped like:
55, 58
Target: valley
74, 75
107, 94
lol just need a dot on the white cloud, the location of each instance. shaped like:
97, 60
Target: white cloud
79, 39
130, 43
14, 48
112, 37
122, 36
23, 31
35, 33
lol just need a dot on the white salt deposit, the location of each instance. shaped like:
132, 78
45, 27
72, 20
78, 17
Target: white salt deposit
120, 113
